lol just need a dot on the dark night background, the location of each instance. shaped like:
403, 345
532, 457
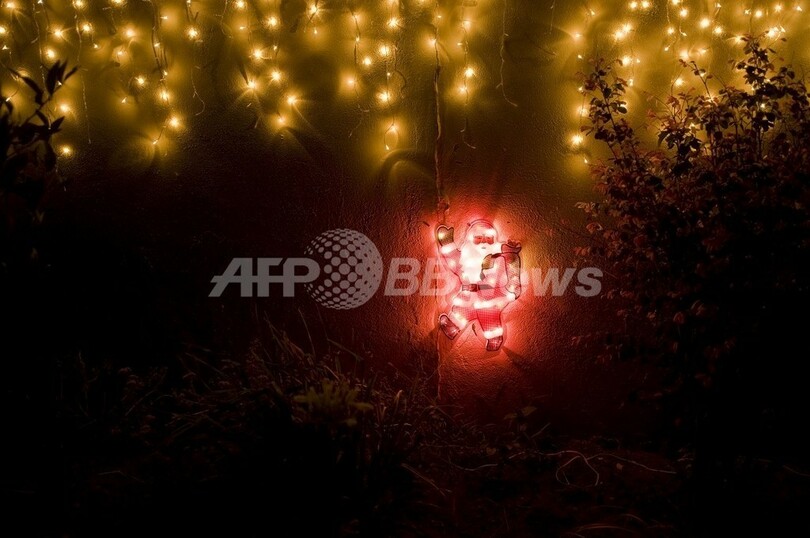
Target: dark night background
133, 403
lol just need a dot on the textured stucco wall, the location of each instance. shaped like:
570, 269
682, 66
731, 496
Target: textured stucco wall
183, 209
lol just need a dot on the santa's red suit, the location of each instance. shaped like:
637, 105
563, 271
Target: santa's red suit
489, 273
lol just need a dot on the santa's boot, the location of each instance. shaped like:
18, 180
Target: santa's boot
447, 326
494, 344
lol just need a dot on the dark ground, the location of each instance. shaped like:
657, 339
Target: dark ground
112, 427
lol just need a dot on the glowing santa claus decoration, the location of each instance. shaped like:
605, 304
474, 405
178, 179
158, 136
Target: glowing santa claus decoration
489, 273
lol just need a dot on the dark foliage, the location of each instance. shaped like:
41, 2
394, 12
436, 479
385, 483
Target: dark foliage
706, 235
282, 440
29, 166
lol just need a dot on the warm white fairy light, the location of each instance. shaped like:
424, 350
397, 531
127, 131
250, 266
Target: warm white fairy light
774, 32
623, 31
375, 74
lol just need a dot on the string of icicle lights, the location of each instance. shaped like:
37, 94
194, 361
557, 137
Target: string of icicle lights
154, 55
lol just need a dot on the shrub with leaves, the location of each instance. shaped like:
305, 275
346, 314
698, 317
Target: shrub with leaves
287, 442
707, 233
29, 164
282, 439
